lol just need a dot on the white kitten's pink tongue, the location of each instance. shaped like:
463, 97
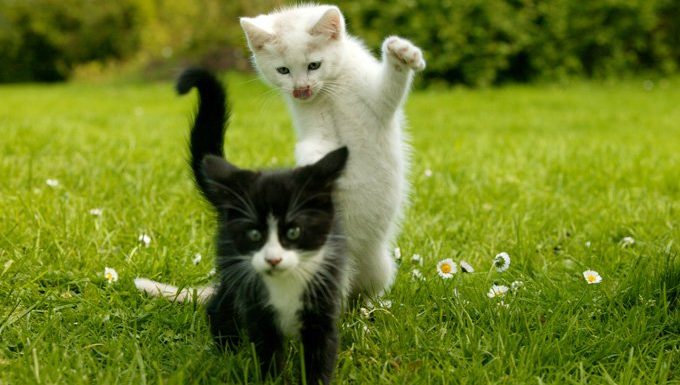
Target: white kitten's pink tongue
302, 93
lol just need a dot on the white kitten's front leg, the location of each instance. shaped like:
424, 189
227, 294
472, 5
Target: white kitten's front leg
400, 58
403, 54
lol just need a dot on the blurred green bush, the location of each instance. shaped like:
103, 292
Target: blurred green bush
475, 42
479, 42
44, 39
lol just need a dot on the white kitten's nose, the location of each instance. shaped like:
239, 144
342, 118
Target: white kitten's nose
302, 92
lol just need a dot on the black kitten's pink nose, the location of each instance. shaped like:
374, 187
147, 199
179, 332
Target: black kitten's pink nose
273, 261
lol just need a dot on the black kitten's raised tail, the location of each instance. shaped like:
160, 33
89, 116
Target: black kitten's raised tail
210, 121
207, 138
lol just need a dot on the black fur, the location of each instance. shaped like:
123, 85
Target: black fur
211, 119
243, 200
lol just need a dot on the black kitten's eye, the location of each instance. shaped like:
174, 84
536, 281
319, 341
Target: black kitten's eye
254, 235
283, 70
314, 65
293, 233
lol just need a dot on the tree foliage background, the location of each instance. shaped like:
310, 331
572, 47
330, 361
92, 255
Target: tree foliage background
475, 42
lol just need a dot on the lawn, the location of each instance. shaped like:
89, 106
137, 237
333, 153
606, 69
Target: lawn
555, 175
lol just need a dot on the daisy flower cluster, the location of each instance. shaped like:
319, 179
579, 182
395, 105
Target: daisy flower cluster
144, 240
501, 263
448, 268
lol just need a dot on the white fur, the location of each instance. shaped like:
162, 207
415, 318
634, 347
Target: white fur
356, 101
286, 284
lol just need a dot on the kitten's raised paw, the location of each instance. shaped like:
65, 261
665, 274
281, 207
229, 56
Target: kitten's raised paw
404, 52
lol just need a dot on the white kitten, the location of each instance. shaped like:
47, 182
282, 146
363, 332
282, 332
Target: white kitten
339, 94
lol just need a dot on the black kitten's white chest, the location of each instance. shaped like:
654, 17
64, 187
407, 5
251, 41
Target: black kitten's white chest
286, 295
319, 279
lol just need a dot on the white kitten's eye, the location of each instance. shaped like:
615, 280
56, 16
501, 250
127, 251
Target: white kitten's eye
283, 70
254, 235
293, 233
314, 65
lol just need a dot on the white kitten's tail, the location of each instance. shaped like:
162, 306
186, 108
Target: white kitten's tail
189, 294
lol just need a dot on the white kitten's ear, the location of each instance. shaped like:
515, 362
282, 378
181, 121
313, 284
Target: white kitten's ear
257, 37
331, 24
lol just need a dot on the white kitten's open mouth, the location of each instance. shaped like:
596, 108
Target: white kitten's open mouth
302, 93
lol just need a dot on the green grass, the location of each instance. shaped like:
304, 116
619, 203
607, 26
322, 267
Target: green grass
536, 171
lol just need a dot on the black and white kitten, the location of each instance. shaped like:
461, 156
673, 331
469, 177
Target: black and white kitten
281, 258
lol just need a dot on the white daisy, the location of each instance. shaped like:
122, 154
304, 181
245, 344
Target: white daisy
145, 239
416, 258
110, 275
497, 291
516, 285
416, 275
365, 313
501, 261
385, 303
466, 267
212, 272
588, 244
446, 268
378, 303
428, 173
592, 276
397, 254
197, 259
54, 183
627, 241
96, 212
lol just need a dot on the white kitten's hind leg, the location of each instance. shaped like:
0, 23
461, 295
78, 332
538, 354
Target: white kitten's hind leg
158, 289
375, 274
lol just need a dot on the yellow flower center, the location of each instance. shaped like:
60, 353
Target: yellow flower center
446, 268
591, 278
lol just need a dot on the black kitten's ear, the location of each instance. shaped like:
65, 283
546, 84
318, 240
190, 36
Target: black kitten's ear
330, 166
217, 178
327, 169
